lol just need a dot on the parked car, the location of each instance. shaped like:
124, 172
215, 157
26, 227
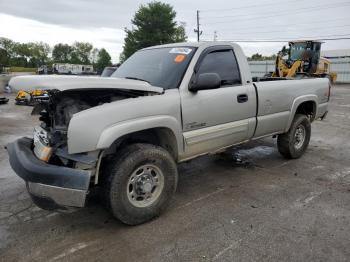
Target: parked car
164, 105
108, 71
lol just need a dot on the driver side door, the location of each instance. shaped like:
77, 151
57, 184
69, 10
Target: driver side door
216, 118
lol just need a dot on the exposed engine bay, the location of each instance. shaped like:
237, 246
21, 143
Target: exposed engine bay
57, 111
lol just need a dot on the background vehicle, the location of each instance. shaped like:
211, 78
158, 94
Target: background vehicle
108, 71
164, 105
45, 70
303, 60
72, 69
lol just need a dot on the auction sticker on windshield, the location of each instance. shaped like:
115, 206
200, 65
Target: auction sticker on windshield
179, 58
180, 50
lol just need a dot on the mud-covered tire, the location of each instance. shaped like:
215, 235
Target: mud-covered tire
123, 167
290, 144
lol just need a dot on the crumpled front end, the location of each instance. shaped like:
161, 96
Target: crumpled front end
51, 186
55, 178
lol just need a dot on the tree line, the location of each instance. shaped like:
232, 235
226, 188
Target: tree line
260, 57
37, 54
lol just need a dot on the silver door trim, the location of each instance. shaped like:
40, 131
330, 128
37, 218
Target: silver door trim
214, 132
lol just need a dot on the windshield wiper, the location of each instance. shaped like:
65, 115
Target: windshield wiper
136, 78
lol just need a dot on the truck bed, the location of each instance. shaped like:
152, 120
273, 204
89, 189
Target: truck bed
276, 99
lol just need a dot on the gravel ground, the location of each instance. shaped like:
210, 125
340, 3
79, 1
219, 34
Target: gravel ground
261, 208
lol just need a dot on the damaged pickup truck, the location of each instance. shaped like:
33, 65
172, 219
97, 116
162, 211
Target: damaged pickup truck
164, 105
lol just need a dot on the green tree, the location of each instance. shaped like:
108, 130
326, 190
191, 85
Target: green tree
180, 34
103, 60
81, 53
7, 45
62, 53
94, 56
21, 54
153, 24
4, 57
38, 54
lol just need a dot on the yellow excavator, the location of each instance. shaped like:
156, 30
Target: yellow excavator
29, 98
304, 60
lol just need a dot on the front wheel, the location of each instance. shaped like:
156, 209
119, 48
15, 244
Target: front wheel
294, 143
139, 183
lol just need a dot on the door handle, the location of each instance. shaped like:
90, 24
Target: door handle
242, 98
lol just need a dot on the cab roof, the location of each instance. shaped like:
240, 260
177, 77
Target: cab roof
304, 41
193, 44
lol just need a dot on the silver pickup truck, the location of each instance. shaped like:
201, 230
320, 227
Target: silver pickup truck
164, 105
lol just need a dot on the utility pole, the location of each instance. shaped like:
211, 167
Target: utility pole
215, 35
197, 30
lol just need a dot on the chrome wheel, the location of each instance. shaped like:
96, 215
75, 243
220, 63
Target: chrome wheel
299, 136
145, 185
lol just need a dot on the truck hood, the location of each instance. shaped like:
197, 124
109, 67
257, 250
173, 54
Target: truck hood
63, 83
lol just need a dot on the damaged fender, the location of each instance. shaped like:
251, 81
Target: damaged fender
114, 132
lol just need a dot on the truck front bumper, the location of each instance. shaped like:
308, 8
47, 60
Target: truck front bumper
50, 186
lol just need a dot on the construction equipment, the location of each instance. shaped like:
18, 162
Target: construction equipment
30, 97
23, 98
304, 60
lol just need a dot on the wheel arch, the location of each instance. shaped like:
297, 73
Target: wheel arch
306, 105
161, 131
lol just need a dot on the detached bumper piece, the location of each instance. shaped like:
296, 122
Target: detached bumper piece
3, 100
51, 187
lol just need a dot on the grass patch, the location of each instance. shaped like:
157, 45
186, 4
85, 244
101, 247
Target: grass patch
18, 69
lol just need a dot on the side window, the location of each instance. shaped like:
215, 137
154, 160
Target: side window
224, 63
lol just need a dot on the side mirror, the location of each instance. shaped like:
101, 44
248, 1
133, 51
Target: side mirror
206, 81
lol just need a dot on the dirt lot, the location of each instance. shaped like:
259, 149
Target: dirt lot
262, 208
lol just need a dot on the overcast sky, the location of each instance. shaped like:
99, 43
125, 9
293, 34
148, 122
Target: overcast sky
102, 22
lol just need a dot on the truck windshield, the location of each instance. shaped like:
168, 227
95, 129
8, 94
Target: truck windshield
297, 51
162, 67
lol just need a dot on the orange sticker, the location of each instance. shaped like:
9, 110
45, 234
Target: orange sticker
179, 58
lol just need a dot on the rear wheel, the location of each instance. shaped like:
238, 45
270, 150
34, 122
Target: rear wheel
139, 183
294, 143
